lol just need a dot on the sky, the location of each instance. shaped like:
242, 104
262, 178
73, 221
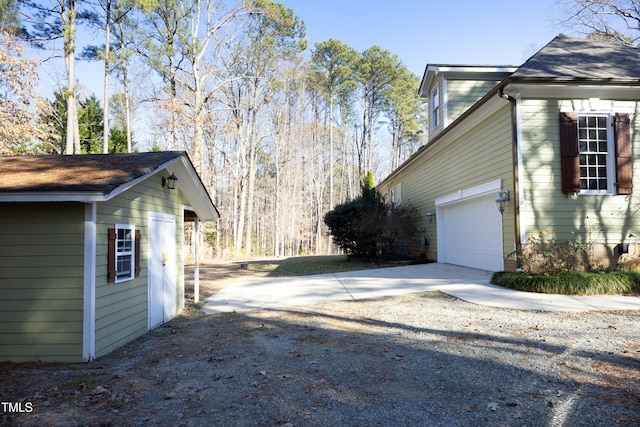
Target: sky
421, 32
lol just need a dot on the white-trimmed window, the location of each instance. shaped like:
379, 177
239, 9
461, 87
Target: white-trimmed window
125, 251
435, 107
595, 145
395, 195
123, 256
596, 153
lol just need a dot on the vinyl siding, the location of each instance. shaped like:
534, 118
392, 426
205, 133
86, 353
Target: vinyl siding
41, 281
475, 158
462, 94
604, 219
122, 308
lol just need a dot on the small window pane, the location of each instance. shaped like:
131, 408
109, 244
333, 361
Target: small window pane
582, 133
602, 122
123, 267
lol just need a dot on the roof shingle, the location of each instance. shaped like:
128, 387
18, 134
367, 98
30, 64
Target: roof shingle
100, 173
570, 58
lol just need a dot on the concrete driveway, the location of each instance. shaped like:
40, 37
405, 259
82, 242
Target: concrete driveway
468, 284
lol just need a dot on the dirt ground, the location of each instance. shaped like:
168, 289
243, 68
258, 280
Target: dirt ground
418, 359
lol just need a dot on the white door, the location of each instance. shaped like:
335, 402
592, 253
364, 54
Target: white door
162, 268
470, 233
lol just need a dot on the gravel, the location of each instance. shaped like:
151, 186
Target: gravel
419, 359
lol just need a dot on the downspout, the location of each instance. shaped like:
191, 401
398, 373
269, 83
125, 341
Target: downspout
515, 145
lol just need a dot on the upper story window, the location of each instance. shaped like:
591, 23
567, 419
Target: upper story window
595, 145
395, 195
435, 107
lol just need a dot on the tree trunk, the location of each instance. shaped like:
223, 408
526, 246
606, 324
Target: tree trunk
68, 22
251, 172
107, 59
125, 87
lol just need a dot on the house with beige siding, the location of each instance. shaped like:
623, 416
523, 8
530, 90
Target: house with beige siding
550, 146
92, 250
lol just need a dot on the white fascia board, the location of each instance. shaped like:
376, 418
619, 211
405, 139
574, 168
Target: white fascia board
196, 194
462, 72
572, 91
124, 187
53, 197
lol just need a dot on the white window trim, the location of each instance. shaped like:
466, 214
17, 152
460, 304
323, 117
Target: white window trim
132, 253
611, 159
397, 193
435, 107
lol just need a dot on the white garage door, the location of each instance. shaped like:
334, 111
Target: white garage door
470, 233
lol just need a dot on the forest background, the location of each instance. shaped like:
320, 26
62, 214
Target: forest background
279, 131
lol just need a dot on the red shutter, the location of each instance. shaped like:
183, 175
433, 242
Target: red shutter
570, 157
137, 254
624, 166
111, 255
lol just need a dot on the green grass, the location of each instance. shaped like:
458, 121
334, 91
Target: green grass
572, 283
305, 265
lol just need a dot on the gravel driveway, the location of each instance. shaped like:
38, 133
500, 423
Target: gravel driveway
417, 359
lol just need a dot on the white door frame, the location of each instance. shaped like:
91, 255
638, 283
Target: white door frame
162, 271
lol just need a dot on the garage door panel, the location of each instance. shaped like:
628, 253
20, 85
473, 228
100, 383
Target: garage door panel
472, 234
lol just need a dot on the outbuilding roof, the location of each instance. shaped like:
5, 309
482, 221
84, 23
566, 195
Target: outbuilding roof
97, 177
101, 173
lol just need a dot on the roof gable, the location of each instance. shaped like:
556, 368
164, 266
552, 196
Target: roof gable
464, 72
570, 58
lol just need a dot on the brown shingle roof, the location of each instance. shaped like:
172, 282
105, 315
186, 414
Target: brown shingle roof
100, 173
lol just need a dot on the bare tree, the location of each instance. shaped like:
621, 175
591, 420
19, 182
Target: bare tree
19, 102
50, 21
615, 20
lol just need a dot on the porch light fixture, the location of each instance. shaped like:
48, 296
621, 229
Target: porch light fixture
503, 197
430, 215
170, 181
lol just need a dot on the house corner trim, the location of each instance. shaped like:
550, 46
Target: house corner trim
89, 305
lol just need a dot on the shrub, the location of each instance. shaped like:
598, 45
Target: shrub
356, 225
545, 254
572, 283
367, 226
